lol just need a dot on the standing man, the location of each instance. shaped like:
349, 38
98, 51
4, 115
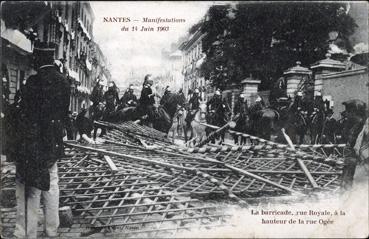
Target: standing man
44, 107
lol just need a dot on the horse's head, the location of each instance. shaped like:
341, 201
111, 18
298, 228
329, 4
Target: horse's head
201, 114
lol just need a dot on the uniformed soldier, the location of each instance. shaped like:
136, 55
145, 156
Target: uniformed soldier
44, 107
194, 102
147, 100
97, 94
194, 106
297, 105
215, 102
330, 128
319, 105
166, 95
111, 98
241, 105
128, 99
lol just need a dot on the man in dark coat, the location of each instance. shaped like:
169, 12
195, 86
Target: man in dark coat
351, 128
330, 128
297, 104
319, 104
43, 108
128, 99
165, 96
194, 106
111, 98
147, 99
215, 102
97, 94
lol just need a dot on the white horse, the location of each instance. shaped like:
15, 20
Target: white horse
196, 127
178, 126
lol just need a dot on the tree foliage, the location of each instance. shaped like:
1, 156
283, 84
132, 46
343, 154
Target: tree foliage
264, 39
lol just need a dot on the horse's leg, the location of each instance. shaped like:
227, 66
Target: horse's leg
95, 132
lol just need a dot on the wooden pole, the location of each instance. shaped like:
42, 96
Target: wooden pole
300, 162
111, 164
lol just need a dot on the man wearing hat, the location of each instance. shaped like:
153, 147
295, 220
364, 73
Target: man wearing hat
128, 99
44, 108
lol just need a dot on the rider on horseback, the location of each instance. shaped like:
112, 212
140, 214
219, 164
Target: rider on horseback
147, 100
128, 99
215, 103
111, 98
194, 105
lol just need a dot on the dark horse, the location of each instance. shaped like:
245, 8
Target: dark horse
270, 121
243, 125
160, 117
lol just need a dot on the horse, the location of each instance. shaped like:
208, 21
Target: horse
162, 116
264, 124
243, 125
195, 125
295, 125
178, 125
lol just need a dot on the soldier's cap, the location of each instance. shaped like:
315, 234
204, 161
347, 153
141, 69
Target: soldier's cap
299, 93
197, 91
258, 99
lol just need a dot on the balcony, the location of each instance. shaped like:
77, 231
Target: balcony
84, 29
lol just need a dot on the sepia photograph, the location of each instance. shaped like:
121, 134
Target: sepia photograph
184, 119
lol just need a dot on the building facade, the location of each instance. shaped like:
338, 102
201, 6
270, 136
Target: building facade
68, 24
192, 58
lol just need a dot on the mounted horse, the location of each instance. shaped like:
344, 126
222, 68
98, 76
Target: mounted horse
162, 116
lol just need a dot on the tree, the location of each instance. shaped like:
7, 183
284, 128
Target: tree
264, 39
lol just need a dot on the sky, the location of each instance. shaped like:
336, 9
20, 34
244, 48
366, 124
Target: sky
140, 52
135, 50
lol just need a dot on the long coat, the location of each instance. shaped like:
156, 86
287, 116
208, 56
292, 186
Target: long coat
43, 109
